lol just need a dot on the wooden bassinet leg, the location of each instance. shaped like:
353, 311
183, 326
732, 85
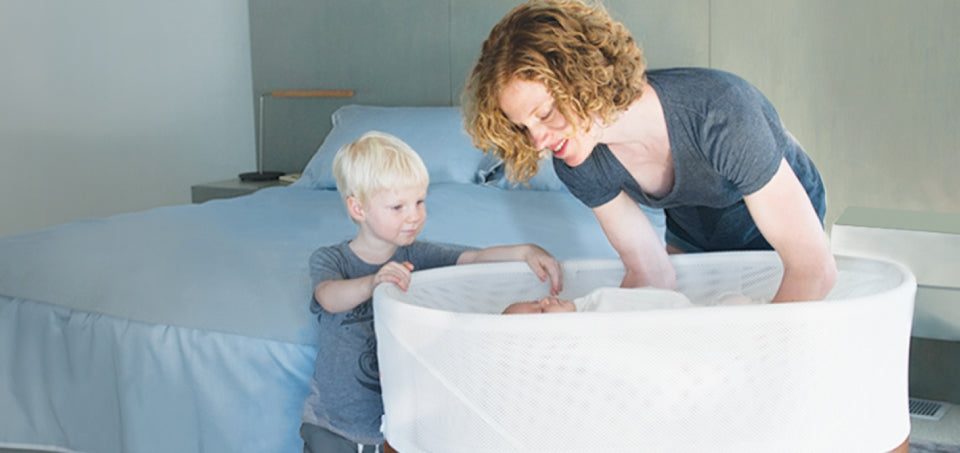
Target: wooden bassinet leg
388, 449
902, 448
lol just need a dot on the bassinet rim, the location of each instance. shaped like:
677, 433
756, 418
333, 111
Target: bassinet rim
389, 290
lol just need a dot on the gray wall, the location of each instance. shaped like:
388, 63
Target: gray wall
868, 86
871, 88
410, 52
114, 106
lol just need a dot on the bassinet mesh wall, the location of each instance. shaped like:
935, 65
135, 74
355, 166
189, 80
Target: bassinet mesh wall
816, 376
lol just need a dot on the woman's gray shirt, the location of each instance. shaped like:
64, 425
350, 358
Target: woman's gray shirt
727, 141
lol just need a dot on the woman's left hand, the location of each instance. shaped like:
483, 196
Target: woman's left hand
786, 218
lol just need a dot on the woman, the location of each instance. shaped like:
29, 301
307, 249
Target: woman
561, 76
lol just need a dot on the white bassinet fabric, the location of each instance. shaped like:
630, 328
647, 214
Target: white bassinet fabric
812, 376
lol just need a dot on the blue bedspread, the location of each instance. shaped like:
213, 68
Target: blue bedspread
187, 329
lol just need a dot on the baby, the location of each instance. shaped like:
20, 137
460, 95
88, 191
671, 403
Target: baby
549, 304
605, 299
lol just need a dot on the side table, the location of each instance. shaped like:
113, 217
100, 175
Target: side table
229, 188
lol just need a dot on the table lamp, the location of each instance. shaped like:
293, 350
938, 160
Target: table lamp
261, 174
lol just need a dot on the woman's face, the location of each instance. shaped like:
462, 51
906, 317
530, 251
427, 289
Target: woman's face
531, 106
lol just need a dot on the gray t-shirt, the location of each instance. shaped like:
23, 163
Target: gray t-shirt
727, 141
345, 387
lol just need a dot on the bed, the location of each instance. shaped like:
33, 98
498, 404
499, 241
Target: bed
187, 328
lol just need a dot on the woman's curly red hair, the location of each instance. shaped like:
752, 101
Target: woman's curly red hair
588, 62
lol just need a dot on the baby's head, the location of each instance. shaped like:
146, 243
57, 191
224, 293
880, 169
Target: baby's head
549, 304
376, 162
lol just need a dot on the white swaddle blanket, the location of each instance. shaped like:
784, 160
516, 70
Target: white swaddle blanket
606, 299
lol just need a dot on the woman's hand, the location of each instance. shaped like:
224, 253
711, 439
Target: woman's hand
786, 218
633, 237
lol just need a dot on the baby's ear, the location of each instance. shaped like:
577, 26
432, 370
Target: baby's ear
355, 208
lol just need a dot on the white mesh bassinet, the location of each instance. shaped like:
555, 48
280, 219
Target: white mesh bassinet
457, 376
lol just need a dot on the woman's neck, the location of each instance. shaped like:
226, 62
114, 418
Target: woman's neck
642, 121
640, 128
640, 141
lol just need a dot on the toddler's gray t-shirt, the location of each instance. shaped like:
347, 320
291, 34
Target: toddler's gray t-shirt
345, 387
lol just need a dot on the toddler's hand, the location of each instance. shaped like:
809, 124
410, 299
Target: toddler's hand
394, 272
545, 266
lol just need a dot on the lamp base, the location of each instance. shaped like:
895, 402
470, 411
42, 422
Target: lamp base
261, 175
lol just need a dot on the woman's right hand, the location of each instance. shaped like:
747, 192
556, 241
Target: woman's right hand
633, 237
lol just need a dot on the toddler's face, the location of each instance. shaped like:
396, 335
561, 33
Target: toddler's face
549, 304
396, 216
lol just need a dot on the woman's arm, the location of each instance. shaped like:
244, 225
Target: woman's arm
632, 235
786, 218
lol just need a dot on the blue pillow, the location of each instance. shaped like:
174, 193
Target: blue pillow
436, 133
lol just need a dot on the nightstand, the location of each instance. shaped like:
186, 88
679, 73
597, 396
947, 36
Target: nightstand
229, 188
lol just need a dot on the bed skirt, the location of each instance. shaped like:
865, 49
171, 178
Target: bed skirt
83, 382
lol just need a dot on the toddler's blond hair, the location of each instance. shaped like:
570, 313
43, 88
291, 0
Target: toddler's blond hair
375, 162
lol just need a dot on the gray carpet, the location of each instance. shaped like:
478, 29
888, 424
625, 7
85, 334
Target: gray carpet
931, 447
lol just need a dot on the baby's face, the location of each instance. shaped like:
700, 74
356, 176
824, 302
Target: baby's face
549, 304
